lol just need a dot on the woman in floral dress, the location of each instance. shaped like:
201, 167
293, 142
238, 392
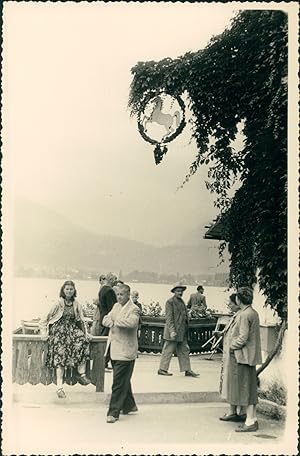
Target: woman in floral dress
68, 340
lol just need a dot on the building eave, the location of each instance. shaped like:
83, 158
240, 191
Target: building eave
215, 231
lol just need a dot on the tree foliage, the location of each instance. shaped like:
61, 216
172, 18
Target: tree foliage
240, 77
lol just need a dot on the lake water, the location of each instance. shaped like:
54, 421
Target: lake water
32, 297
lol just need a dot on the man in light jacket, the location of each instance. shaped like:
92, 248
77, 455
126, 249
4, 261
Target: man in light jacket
123, 322
175, 334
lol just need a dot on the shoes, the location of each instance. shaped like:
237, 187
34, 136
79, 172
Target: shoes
111, 419
163, 372
83, 380
60, 393
134, 409
191, 374
251, 428
233, 417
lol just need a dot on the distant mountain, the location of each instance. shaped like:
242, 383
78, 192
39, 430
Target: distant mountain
47, 239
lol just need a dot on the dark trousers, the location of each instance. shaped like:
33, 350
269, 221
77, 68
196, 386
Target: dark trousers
121, 395
107, 358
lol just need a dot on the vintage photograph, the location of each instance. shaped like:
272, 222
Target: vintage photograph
149, 219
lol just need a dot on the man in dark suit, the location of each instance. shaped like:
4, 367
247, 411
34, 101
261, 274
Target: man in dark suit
175, 334
95, 329
106, 300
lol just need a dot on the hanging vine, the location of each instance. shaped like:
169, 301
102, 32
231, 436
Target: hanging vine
240, 77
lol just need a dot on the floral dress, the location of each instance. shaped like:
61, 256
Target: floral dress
67, 345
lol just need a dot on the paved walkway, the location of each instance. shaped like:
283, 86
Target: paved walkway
177, 415
148, 387
155, 429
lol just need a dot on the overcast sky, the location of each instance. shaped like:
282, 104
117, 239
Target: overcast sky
72, 144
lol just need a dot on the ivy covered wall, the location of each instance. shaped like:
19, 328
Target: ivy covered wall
239, 78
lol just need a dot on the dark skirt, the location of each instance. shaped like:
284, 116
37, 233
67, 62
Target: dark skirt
67, 345
241, 384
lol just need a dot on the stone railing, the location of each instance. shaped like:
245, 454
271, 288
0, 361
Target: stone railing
29, 355
152, 329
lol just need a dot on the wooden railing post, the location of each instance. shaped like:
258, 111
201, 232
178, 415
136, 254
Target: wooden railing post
97, 350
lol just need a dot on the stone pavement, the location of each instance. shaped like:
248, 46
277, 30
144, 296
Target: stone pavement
155, 429
177, 415
148, 387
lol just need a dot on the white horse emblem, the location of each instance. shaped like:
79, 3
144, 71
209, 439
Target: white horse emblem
167, 120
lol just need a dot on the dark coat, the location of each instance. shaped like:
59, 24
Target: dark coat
176, 319
107, 299
197, 301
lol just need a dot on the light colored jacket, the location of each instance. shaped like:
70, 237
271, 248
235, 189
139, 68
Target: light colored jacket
56, 312
245, 337
123, 322
176, 319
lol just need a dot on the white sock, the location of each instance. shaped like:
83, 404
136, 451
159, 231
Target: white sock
249, 421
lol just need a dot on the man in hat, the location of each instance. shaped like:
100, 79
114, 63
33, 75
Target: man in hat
175, 334
197, 303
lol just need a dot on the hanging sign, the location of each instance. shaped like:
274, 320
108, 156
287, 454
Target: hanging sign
161, 119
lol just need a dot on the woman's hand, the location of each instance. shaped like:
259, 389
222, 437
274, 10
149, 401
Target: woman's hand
217, 333
88, 337
44, 338
172, 334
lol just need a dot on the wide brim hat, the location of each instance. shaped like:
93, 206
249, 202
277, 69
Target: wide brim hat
178, 285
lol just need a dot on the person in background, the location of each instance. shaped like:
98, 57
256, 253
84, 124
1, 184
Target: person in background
175, 334
116, 285
123, 322
68, 340
245, 354
95, 328
106, 299
236, 412
197, 303
135, 300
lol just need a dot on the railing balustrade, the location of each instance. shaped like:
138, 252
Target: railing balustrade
30, 351
29, 357
152, 329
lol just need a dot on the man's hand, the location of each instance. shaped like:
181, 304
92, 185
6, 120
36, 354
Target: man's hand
88, 337
172, 334
44, 338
